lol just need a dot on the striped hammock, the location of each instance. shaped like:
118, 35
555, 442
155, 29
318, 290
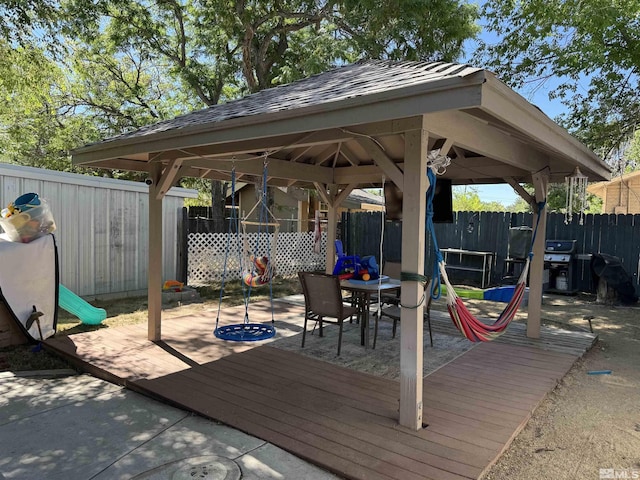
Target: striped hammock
472, 328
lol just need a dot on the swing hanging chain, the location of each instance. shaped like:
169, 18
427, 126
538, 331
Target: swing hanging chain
232, 221
270, 270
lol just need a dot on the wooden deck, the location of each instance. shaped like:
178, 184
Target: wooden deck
342, 420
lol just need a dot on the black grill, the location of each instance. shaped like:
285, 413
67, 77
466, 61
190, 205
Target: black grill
561, 264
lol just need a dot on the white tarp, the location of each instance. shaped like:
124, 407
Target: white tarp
28, 278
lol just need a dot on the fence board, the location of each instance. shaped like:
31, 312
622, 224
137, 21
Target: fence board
618, 236
634, 257
624, 243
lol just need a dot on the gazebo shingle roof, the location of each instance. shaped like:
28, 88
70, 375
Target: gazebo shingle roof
350, 81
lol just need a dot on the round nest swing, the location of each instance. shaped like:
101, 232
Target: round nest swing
245, 332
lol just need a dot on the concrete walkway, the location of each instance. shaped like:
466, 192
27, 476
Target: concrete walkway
79, 427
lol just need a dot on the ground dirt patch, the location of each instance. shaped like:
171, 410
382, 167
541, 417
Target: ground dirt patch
590, 421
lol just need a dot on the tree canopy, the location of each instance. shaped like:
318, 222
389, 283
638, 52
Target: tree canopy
91, 69
467, 199
589, 48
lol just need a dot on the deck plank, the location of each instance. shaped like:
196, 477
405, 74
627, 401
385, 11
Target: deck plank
342, 420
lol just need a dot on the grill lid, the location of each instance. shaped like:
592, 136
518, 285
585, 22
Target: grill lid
560, 246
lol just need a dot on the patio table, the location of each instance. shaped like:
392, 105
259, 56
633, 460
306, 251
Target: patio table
362, 293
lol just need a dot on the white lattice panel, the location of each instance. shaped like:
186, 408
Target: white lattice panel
207, 252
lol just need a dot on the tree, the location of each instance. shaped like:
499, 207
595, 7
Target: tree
46, 112
556, 201
22, 20
631, 161
467, 199
591, 47
135, 62
34, 126
519, 206
220, 49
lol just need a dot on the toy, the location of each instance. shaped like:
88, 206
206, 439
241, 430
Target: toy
369, 269
356, 268
27, 218
9, 211
345, 264
260, 274
173, 285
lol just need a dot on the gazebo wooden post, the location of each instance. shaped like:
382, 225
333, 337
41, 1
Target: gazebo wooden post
333, 199
155, 264
413, 231
332, 229
330, 256
540, 182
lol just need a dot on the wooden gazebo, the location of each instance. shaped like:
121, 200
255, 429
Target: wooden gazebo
351, 127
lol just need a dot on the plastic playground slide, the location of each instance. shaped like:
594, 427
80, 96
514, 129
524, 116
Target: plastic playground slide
72, 303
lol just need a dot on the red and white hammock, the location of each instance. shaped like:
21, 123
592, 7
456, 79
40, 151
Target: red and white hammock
471, 327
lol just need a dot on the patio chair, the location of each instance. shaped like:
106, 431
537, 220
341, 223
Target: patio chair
323, 302
390, 304
392, 270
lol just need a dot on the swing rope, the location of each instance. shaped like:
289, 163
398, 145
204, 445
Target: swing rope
264, 217
246, 331
233, 222
472, 328
260, 269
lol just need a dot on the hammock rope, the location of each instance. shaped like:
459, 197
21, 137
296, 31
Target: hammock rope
472, 328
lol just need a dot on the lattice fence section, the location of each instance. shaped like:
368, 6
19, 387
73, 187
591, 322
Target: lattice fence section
294, 253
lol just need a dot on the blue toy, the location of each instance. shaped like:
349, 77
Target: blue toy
345, 264
369, 269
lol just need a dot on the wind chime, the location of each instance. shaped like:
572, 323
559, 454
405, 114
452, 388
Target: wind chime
576, 184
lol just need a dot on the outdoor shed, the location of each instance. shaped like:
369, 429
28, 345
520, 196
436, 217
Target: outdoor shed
362, 125
621, 195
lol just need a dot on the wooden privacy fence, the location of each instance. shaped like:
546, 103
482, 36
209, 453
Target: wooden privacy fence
207, 253
617, 235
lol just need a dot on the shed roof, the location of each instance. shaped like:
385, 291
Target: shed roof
598, 188
346, 126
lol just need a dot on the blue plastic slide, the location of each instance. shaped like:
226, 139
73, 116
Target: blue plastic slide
72, 303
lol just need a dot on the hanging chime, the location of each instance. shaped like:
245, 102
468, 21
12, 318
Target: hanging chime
576, 184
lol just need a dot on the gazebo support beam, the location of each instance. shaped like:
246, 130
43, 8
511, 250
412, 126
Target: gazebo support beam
333, 198
415, 185
155, 256
540, 182
381, 159
519, 189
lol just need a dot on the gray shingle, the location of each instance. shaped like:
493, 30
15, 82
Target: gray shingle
350, 81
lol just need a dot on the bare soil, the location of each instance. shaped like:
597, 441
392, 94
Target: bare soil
591, 421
